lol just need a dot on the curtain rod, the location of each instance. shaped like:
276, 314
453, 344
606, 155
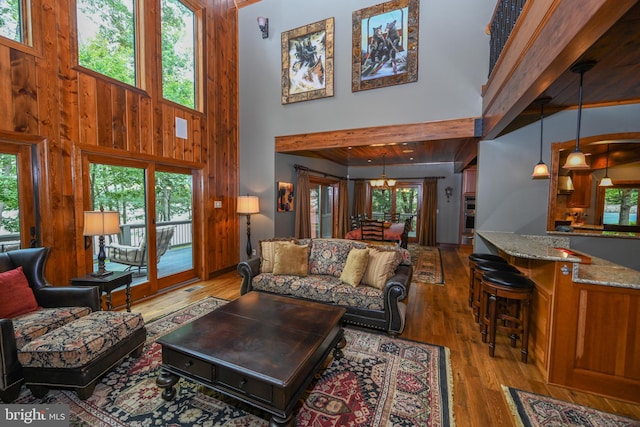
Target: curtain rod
300, 167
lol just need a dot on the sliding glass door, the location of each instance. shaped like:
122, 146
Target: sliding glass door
323, 194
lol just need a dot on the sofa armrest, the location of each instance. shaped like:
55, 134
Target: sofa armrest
69, 296
395, 291
248, 270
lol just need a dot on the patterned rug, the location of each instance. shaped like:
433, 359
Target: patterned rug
533, 410
380, 381
427, 264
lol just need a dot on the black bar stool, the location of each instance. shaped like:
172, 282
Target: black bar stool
482, 267
506, 297
473, 259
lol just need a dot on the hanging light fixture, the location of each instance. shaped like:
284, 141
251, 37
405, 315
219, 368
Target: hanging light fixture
540, 170
606, 181
576, 159
383, 182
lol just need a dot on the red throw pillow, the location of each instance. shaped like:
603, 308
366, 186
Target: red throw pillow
16, 297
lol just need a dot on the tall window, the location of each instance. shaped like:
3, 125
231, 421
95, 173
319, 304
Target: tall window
323, 198
397, 203
11, 20
9, 205
178, 53
106, 38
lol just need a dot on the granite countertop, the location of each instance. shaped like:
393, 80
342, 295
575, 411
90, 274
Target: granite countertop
599, 272
596, 233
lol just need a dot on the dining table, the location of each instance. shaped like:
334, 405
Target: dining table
391, 233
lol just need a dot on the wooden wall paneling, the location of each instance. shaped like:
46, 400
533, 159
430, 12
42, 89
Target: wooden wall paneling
24, 92
119, 118
88, 106
6, 104
195, 152
179, 143
632, 367
104, 113
168, 131
158, 133
133, 123
146, 125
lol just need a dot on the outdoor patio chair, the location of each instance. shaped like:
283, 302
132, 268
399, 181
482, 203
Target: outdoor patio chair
136, 256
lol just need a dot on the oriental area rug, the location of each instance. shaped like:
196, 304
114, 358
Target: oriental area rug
427, 264
379, 381
536, 410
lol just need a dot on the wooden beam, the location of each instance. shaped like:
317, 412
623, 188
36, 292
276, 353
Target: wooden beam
549, 37
428, 131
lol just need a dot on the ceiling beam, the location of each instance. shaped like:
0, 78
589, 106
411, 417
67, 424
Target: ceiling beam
378, 135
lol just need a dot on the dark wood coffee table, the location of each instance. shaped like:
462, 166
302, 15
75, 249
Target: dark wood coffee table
262, 349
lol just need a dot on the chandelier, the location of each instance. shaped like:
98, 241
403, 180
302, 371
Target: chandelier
382, 182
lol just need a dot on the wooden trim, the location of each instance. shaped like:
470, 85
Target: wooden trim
436, 130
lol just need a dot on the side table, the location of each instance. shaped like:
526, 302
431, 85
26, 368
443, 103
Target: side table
107, 284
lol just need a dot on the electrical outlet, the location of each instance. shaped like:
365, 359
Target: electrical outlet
217, 204
254, 252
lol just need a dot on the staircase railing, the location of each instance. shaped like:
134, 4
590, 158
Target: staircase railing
504, 19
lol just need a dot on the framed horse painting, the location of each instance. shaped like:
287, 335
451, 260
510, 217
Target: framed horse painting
385, 45
307, 62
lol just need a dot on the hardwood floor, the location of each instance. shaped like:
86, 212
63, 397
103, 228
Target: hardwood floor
437, 315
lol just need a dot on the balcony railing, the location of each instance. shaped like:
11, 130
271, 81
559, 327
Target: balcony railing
504, 19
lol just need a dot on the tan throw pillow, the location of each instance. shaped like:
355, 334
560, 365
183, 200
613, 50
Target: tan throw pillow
268, 253
381, 266
355, 267
291, 259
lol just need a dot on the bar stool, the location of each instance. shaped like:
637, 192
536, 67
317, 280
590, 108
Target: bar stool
473, 259
482, 267
506, 297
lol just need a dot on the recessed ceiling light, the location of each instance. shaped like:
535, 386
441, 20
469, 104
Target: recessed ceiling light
407, 151
410, 158
369, 160
377, 145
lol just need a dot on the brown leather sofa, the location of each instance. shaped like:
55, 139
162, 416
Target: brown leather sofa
33, 263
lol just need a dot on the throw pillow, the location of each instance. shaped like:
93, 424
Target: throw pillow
291, 259
355, 267
16, 297
381, 266
268, 253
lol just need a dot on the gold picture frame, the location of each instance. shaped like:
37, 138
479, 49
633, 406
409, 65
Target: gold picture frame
385, 45
307, 62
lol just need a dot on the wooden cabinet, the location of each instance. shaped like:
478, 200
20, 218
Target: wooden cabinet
469, 181
581, 195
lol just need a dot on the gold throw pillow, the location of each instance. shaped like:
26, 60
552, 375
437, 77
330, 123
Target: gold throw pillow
355, 266
381, 266
291, 259
268, 253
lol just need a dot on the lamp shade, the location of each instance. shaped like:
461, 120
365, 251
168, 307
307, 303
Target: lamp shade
576, 160
540, 171
100, 223
248, 205
606, 182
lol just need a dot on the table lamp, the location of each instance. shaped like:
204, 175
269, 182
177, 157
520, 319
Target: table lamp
99, 223
248, 205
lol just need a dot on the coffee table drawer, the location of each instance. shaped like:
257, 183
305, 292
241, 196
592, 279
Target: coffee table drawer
245, 385
189, 364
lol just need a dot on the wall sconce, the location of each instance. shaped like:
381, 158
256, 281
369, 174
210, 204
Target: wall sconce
99, 223
263, 23
248, 205
448, 192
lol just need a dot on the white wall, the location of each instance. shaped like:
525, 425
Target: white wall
453, 66
509, 200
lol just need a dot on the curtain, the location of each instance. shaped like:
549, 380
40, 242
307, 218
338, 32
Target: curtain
428, 227
359, 197
303, 211
344, 225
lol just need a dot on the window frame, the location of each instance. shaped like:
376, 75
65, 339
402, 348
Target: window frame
600, 193
198, 63
31, 30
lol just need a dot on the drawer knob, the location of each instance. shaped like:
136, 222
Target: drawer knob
188, 363
243, 382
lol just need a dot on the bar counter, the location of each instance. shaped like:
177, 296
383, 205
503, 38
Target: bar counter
585, 317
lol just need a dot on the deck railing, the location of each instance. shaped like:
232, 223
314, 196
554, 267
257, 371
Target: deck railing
504, 19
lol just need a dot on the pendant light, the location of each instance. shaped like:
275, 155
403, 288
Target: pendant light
606, 181
576, 159
540, 170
